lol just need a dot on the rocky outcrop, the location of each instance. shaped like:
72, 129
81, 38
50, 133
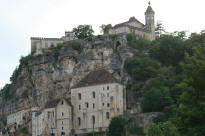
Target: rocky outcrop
52, 74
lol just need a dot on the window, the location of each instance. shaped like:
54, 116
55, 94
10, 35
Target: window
108, 105
62, 128
79, 107
62, 102
93, 106
107, 115
103, 104
93, 94
79, 96
62, 114
111, 98
86, 104
62, 122
93, 120
46, 45
79, 121
49, 114
108, 87
107, 94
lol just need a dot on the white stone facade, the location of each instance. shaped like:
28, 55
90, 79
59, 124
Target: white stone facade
17, 118
94, 106
56, 119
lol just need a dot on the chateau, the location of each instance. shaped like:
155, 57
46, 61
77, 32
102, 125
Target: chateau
132, 25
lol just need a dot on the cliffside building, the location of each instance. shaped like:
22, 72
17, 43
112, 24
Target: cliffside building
96, 99
133, 25
55, 119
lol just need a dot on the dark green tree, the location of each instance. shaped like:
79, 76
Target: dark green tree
83, 31
168, 49
117, 127
190, 113
141, 68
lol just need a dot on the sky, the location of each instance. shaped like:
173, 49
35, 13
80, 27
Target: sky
22, 19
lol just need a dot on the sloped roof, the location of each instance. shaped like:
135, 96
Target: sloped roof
149, 10
96, 77
54, 103
132, 19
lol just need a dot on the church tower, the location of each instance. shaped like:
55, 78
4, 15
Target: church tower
149, 20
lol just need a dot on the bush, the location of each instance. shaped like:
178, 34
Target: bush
117, 127
76, 46
140, 44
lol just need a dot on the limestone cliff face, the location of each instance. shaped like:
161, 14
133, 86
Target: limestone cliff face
52, 74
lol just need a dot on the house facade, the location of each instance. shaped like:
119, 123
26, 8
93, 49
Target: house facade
55, 119
96, 99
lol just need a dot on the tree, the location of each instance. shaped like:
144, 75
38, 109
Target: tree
162, 129
117, 127
104, 28
190, 114
141, 68
156, 99
83, 31
168, 49
159, 29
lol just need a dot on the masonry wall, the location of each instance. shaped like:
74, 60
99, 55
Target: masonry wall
107, 103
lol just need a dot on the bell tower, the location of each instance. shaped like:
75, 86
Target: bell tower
149, 19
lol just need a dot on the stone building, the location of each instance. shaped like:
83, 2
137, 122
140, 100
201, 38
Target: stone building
39, 43
15, 120
96, 99
133, 25
55, 118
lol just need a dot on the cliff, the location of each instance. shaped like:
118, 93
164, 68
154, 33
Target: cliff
52, 74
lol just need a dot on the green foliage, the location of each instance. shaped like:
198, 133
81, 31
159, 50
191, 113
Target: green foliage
112, 36
190, 114
168, 49
104, 28
140, 44
76, 46
56, 50
159, 29
117, 127
14, 76
83, 31
25, 130
7, 92
156, 99
141, 68
162, 129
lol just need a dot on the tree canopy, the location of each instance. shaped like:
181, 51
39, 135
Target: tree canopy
83, 31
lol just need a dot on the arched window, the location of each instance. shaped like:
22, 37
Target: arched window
93, 94
79, 121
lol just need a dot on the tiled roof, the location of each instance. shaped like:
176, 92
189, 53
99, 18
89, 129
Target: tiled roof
54, 103
96, 77
132, 19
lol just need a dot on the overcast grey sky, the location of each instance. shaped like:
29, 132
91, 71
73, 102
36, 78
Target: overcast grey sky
21, 19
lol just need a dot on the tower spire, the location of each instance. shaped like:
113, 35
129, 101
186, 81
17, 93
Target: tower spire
149, 3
